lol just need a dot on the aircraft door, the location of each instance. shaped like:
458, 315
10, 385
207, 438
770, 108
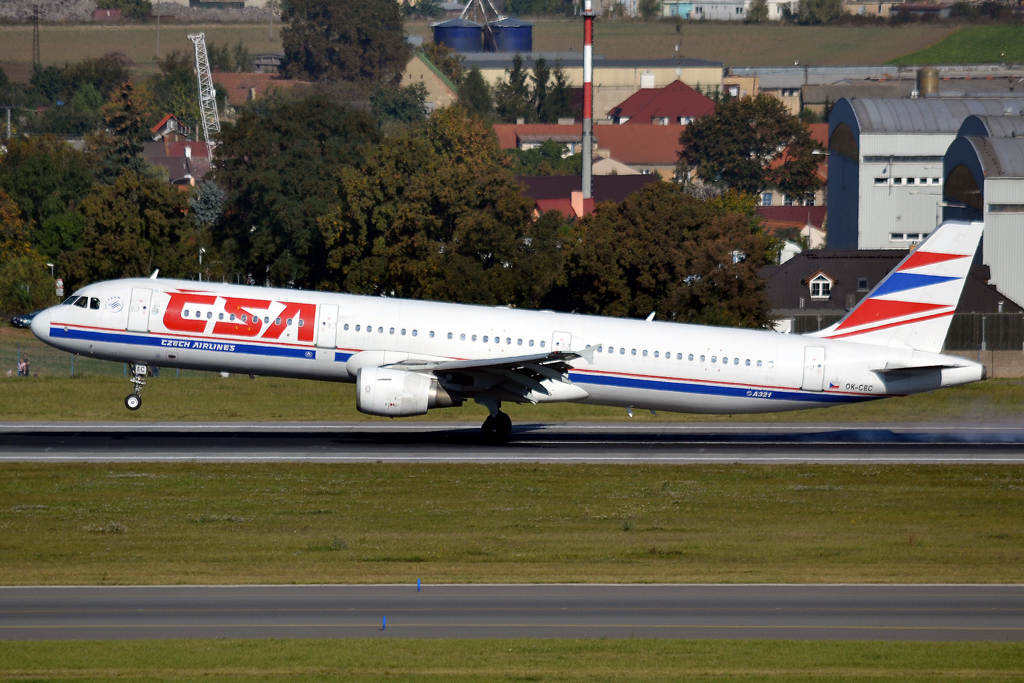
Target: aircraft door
138, 310
814, 369
561, 341
327, 333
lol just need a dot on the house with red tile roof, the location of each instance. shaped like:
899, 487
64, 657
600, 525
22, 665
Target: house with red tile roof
676, 103
564, 193
645, 147
244, 87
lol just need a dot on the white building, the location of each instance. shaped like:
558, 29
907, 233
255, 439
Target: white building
984, 180
885, 166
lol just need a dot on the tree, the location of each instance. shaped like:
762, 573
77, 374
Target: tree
347, 40
25, 283
751, 145
665, 251
405, 104
279, 165
121, 146
48, 179
77, 117
436, 217
207, 203
559, 100
475, 94
650, 9
512, 98
48, 82
14, 234
819, 11
105, 74
447, 60
547, 159
133, 226
758, 12
539, 97
241, 58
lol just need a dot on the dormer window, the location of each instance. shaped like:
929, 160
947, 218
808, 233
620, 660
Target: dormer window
821, 287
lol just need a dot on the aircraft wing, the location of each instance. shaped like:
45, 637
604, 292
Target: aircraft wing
541, 376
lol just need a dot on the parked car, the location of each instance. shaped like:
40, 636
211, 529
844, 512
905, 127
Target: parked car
24, 320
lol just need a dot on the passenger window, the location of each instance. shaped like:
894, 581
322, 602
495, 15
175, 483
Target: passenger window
542, 345
690, 357
369, 329
735, 361
714, 359
449, 335
725, 360
391, 330
357, 327
414, 333
633, 352
622, 350
232, 319
473, 338
403, 331
702, 358
758, 363
486, 338
277, 321
462, 337
302, 322
656, 354
747, 363
645, 353
289, 321
266, 320
94, 304
531, 342
519, 342
83, 302
380, 330
508, 340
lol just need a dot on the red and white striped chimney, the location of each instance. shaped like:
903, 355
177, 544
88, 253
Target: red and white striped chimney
588, 95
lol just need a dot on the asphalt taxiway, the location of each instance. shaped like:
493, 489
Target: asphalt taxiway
460, 442
805, 612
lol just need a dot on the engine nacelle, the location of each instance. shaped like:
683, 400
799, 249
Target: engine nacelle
397, 393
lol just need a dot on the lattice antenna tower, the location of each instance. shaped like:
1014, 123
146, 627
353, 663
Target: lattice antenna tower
207, 93
37, 62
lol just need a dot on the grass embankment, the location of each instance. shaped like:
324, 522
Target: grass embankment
510, 660
993, 44
330, 523
98, 390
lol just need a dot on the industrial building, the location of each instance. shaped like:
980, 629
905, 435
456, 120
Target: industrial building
885, 166
984, 180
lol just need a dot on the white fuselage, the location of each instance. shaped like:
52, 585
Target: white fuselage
329, 336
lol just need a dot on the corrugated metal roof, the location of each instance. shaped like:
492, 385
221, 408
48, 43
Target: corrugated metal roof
511, 22
993, 126
923, 115
455, 23
1000, 157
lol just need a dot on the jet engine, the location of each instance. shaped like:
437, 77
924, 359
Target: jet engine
397, 393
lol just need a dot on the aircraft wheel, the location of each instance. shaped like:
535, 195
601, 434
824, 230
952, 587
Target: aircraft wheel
132, 402
497, 428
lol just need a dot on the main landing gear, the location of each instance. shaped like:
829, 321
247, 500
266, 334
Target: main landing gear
133, 401
497, 427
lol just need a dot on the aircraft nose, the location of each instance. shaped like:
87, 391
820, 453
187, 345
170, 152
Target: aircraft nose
41, 325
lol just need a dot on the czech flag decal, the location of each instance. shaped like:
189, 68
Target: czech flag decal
833, 386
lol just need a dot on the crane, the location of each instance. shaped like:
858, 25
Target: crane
207, 93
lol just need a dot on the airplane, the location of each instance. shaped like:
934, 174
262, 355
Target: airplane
407, 357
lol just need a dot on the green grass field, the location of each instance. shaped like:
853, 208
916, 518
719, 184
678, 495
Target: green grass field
734, 44
469, 661
973, 45
209, 523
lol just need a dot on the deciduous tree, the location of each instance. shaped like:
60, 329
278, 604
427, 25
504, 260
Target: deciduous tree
279, 166
347, 40
750, 145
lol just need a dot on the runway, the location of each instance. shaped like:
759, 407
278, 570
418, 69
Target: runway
803, 612
427, 442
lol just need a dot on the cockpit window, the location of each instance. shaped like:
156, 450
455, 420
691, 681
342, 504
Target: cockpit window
69, 301
94, 304
82, 302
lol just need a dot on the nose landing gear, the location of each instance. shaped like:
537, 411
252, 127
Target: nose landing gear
133, 401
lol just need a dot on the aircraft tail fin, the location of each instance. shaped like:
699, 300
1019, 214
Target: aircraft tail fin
913, 305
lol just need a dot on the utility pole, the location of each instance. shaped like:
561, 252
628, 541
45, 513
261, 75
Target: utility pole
8, 122
271, 19
588, 96
158, 30
37, 62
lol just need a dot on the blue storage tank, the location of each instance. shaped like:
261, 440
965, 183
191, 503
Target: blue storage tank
513, 35
460, 35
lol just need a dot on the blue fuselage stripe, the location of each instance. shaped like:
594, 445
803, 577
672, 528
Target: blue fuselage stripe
189, 344
710, 389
